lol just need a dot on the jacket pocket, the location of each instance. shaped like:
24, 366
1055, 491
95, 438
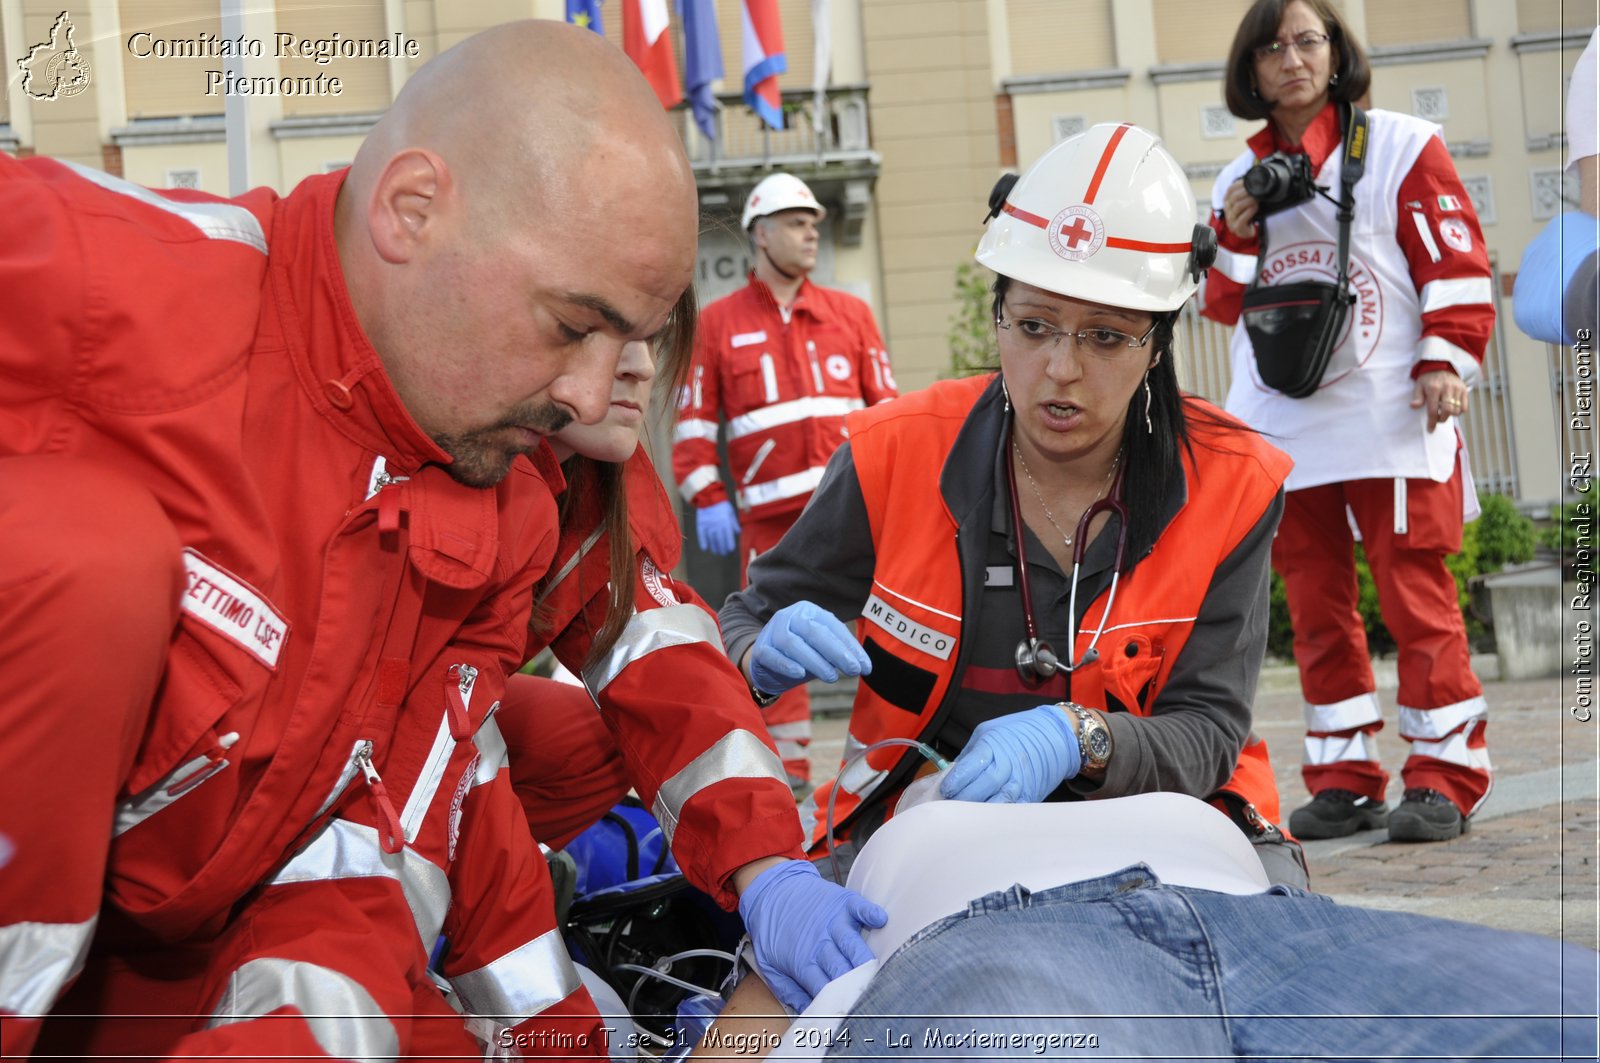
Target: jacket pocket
1133, 667
196, 692
752, 380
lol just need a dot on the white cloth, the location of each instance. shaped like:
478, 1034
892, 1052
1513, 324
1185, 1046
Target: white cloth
1359, 424
930, 861
1583, 105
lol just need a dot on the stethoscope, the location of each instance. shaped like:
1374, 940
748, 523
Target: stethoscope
1036, 660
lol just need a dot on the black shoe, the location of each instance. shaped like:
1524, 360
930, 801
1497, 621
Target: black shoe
1337, 814
1426, 816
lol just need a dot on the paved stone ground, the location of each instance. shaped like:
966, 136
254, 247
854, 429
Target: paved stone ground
1529, 861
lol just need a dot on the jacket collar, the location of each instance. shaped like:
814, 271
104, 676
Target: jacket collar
806, 300
973, 481
334, 359
1321, 137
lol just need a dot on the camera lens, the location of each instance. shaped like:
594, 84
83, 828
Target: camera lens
1268, 180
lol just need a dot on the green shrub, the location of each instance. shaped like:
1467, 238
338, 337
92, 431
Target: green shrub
1557, 535
971, 327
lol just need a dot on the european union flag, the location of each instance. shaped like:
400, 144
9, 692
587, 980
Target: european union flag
585, 13
702, 61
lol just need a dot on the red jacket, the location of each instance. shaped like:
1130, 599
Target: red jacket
783, 381
345, 594
717, 820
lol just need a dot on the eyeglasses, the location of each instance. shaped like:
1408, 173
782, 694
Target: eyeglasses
1305, 44
1031, 334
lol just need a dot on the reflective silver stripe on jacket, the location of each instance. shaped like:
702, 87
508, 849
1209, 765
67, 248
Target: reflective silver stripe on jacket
416, 807
698, 480
1239, 268
572, 562
492, 753
651, 630
219, 221
859, 777
37, 960
736, 755
695, 428
346, 1022
1456, 291
177, 783
522, 983
343, 849
792, 486
778, 414
1439, 349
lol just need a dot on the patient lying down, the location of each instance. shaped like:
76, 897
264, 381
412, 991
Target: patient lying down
1145, 926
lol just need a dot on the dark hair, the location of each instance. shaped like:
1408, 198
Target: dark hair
1152, 460
607, 481
1260, 26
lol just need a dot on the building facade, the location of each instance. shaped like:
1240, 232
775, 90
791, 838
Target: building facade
927, 102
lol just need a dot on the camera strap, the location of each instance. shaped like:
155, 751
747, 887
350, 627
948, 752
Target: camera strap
1294, 327
1354, 121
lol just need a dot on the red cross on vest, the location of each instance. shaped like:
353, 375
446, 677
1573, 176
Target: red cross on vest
1077, 232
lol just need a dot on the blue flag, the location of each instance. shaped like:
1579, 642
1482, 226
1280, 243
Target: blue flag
585, 13
702, 61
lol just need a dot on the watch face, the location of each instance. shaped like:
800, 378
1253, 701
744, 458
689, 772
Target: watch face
1099, 745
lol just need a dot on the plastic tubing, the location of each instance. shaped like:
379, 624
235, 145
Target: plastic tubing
928, 753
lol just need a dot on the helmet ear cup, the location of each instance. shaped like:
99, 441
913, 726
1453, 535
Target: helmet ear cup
1202, 251
997, 195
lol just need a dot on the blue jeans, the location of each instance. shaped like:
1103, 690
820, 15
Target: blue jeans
1123, 966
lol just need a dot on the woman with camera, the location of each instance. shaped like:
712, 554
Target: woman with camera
1353, 264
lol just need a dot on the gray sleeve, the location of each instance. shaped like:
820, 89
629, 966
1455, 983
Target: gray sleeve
826, 557
1190, 742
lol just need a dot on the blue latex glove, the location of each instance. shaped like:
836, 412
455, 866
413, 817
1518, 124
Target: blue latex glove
804, 641
1548, 267
1015, 759
717, 528
806, 930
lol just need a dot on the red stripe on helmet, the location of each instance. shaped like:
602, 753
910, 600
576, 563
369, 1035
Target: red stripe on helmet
1022, 215
1146, 245
1105, 161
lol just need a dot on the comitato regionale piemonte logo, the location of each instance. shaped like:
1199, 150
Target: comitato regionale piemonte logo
55, 69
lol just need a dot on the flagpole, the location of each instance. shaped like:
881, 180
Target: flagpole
235, 107
822, 63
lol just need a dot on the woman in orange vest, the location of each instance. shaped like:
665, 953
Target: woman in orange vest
1058, 572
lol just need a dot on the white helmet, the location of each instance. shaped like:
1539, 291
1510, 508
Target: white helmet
1106, 216
781, 191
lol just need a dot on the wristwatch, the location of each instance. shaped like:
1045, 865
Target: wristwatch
1094, 737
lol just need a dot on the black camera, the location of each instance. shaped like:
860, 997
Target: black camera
1280, 181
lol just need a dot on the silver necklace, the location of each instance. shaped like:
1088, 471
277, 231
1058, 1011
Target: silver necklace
1065, 538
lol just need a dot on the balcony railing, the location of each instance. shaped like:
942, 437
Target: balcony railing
744, 142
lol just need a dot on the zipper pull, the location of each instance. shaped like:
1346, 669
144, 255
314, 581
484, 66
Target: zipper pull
388, 502
390, 835
204, 766
816, 367
458, 683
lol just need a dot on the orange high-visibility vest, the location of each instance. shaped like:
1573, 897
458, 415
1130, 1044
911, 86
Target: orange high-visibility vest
915, 610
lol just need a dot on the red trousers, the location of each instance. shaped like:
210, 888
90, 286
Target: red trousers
89, 597
1407, 529
788, 719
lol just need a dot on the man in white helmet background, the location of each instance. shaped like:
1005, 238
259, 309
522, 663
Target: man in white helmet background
1056, 572
782, 360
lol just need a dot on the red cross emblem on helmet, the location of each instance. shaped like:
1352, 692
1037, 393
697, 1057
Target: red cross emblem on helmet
1076, 233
